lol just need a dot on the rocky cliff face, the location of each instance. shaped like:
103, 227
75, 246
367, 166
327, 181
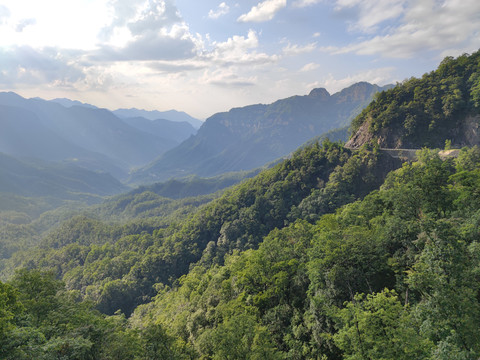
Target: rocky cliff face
465, 132
425, 112
470, 130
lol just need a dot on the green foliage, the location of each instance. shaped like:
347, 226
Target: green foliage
449, 309
238, 337
303, 261
393, 276
323, 256
9, 306
379, 327
193, 186
40, 320
448, 144
426, 111
117, 266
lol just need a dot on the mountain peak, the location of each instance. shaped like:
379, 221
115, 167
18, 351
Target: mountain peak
251, 136
319, 93
70, 103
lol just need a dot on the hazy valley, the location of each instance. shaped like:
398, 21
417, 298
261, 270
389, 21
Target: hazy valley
256, 234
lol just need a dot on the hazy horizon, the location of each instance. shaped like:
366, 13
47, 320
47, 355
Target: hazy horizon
206, 57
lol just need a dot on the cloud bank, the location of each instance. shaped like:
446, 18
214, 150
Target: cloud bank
423, 25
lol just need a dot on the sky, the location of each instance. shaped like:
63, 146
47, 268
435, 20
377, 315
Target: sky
207, 56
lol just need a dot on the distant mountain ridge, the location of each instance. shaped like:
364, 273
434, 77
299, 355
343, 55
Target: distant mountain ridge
248, 137
70, 131
69, 103
172, 115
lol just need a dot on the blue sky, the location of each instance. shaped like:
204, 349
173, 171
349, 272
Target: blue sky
208, 56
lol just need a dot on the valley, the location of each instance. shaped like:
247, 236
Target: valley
293, 230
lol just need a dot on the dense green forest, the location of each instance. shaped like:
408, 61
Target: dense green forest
117, 265
333, 253
442, 105
394, 275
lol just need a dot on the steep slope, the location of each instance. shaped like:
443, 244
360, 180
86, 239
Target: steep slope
314, 181
442, 105
389, 277
177, 130
248, 137
24, 135
101, 131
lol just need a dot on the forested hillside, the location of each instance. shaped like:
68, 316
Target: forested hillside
235, 222
442, 105
397, 268
334, 253
393, 276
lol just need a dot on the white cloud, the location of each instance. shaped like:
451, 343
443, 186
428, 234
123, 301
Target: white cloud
227, 78
180, 66
264, 11
168, 44
154, 15
425, 25
24, 23
4, 14
143, 30
240, 50
309, 67
98, 79
370, 13
24, 65
305, 3
237, 42
222, 9
139, 16
297, 49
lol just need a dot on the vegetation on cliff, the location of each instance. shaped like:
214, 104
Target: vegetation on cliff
442, 105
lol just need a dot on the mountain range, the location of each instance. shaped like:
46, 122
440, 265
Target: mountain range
123, 140
337, 252
171, 115
85, 135
248, 137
